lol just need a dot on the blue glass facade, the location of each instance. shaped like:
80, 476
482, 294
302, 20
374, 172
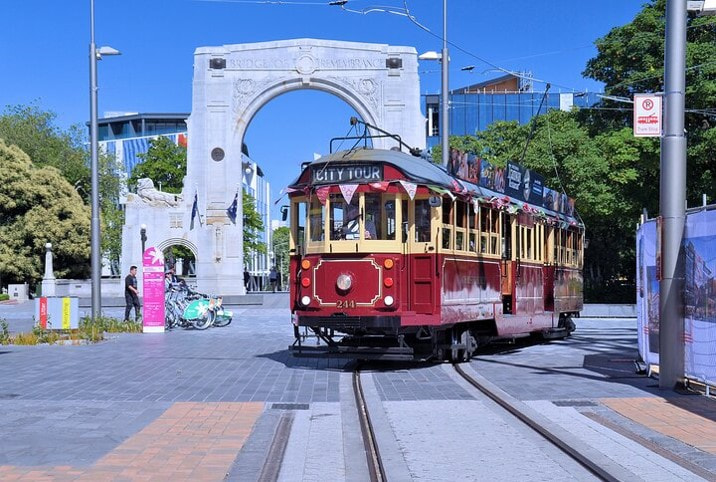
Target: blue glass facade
471, 113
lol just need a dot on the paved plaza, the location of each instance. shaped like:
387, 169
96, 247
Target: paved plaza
210, 405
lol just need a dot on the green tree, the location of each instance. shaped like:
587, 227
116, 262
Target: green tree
280, 249
630, 60
35, 133
33, 130
164, 163
37, 205
253, 226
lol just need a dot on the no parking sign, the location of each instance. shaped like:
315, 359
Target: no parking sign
647, 115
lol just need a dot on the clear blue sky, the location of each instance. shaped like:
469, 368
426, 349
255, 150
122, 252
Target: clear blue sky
44, 48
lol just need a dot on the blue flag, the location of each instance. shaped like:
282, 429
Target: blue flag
231, 210
195, 210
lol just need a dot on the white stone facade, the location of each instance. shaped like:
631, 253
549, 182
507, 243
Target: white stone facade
231, 84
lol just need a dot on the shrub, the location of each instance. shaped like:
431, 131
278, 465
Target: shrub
4, 296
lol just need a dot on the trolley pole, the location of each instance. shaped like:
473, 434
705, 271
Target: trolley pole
672, 200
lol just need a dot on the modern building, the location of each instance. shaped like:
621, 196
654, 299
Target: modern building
126, 135
507, 98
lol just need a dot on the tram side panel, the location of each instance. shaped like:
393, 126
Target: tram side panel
470, 290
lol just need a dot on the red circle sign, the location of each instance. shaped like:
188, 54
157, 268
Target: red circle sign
647, 104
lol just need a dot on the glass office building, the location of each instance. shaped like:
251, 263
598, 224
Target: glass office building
508, 98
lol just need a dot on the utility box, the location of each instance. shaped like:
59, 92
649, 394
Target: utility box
18, 292
57, 313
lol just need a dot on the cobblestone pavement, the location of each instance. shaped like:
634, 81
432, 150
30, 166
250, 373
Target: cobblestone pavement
205, 405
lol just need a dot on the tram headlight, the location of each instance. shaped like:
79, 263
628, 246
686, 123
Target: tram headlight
344, 282
388, 300
305, 300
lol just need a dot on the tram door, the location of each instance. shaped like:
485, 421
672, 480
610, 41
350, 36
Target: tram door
420, 253
509, 267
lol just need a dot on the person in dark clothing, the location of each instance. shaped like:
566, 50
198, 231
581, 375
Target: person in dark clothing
247, 277
273, 278
131, 294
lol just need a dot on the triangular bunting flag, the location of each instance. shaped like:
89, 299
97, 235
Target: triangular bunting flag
410, 188
348, 190
322, 194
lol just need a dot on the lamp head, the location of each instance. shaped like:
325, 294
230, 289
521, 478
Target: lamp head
431, 55
106, 50
143, 227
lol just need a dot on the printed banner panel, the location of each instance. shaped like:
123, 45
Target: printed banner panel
700, 296
647, 302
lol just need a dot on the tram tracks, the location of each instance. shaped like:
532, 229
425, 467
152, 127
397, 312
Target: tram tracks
375, 464
588, 457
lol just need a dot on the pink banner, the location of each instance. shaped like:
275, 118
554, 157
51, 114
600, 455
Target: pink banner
153, 290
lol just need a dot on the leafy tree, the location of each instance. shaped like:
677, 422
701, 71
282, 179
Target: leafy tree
164, 163
280, 249
253, 226
33, 131
37, 205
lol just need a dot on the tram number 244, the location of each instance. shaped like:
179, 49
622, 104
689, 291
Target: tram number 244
345, 304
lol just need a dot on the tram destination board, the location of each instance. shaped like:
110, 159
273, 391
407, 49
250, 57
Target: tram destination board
353, 173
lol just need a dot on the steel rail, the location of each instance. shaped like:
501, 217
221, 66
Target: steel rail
375, 464
581, 458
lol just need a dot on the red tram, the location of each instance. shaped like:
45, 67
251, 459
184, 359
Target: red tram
394, 258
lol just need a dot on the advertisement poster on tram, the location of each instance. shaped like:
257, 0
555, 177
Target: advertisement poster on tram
153, 291
519, 183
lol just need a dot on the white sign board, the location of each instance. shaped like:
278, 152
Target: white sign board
647, 115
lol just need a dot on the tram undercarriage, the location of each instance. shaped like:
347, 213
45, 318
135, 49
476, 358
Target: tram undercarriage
456, 343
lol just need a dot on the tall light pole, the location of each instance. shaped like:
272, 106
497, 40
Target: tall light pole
96, 253
444, 130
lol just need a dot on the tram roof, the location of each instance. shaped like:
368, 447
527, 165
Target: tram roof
421, 171
416, 169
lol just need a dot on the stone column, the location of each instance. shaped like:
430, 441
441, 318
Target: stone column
48, 281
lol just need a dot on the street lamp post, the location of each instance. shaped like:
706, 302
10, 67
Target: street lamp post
444, 59
96, 254
444, 131
143, 236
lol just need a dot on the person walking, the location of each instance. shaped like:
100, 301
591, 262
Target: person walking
131, 295
273, 278
247, 278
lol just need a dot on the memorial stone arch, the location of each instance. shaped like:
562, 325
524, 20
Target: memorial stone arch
231, 84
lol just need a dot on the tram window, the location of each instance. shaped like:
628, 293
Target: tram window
447, 235
447, 211
422, 221
338, 217
460, 213
404, 220
473, 241
373, 225
316, 220
460, 240
390, 216
300, 223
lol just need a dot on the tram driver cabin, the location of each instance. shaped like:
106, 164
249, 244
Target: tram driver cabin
440, 263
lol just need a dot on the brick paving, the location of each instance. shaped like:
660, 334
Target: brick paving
190, 441
190, 405
690, 420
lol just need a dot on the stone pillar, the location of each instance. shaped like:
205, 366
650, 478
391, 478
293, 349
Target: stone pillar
48, 281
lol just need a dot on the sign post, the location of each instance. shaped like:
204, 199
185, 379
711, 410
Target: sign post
647, 115
153, 289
